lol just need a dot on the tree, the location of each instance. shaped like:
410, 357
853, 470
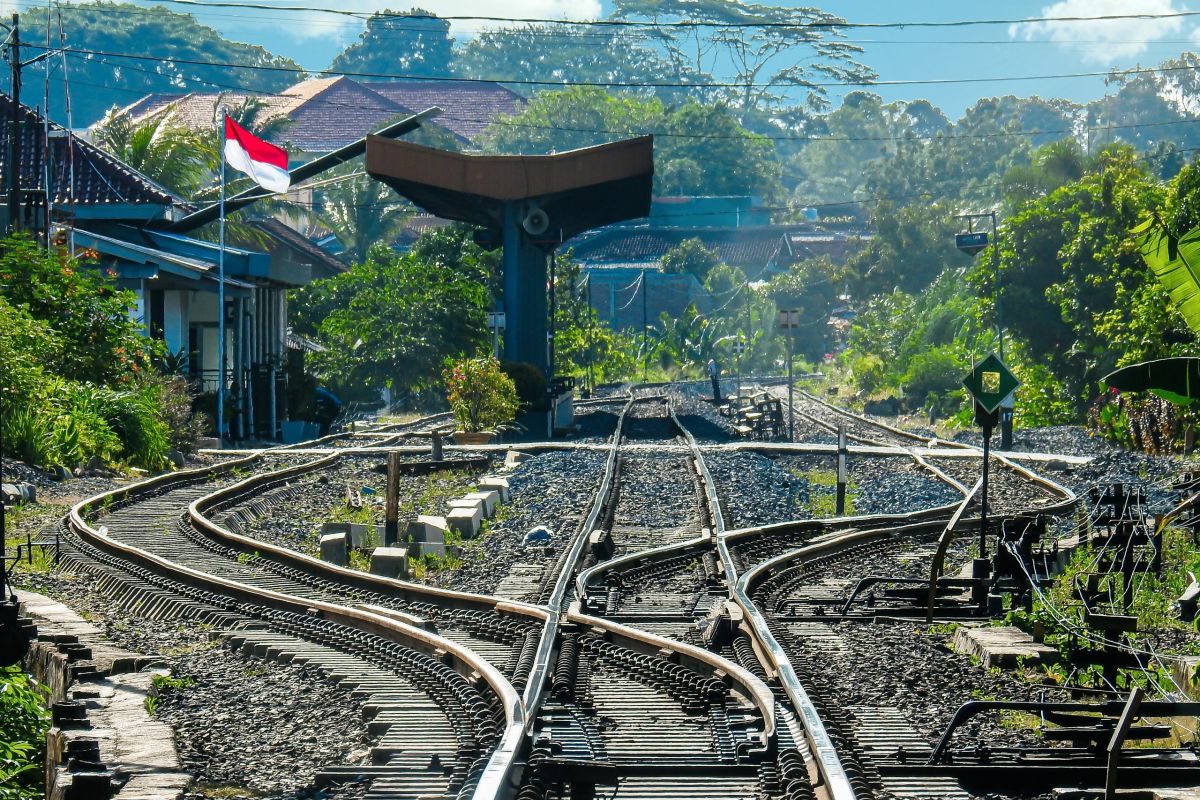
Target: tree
812, 287
194, 56
779, 50
563, 54
392, 321
698, 149
911, 246
409, 44
690, 256
362, 212
176, 157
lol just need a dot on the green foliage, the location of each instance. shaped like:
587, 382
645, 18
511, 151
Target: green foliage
783, 50
24, 720
392, 320
94, 338
481, 396
197, 56
934, 374
170, 154
361, 212
413, 43
690, 256
700, 149
78, 382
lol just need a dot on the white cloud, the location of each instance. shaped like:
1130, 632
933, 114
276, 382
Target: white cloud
1103, 42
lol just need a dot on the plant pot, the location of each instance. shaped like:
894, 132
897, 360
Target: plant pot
473, 437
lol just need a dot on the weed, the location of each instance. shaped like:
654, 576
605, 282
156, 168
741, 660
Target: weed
248, 558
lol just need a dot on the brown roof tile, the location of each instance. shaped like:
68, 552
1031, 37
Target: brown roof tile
99, 179
327, 113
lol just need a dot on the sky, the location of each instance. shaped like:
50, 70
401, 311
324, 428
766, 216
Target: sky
1003, 51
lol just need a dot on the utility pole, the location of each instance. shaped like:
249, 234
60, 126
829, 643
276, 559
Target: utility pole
14, 145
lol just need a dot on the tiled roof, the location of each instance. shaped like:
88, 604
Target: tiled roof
327, 113
468, 106
100, 179
298, 241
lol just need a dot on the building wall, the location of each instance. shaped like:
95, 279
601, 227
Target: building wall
618, 300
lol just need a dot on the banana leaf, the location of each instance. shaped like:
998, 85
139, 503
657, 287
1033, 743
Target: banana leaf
1176, 264
1173, 379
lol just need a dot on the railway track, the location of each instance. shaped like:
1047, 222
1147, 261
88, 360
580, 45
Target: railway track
661, 656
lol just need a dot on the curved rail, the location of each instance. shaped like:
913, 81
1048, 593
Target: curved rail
372, 621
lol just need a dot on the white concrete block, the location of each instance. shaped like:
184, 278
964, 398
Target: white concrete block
466, 521
469, 502
390, 562
490, 499
497, 484
334, 549
427, 528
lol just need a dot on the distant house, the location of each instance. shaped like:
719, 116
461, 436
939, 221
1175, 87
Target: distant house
326, 113
75, 193
615, 258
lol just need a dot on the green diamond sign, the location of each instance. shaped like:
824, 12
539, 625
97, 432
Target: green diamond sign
989, 382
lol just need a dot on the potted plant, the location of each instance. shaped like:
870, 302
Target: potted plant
481, 398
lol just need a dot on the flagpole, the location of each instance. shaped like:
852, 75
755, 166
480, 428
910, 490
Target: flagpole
221, 303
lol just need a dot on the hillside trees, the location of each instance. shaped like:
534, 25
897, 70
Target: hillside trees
194, 56
700, 149
409, 44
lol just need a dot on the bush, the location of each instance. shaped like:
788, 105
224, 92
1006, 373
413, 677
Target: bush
933, 376
24, 720
480, 395
868, 372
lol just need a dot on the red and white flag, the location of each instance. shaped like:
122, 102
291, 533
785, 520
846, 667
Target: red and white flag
262, 161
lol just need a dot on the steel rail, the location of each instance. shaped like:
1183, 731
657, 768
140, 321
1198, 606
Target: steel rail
197, 514
464, 661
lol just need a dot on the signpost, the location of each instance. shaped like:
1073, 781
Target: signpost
789, 320
496, 323
989, 382
739, 347
971, 243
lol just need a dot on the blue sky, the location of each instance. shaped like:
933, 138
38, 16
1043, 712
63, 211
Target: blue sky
978, 51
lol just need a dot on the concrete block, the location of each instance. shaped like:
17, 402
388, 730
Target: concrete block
490, 499
390, 562
427, 528
470, 503
334, 549
515, 458
497, 484
466, 521
357, 534
418, 549
1002, 646
17, 493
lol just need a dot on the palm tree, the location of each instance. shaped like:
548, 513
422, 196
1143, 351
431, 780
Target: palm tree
173, 156
360, 212
251, 113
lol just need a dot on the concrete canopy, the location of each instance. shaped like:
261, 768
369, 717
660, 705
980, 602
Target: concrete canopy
579, 189
576, 191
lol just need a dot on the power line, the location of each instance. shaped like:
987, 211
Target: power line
629, 84
832, 23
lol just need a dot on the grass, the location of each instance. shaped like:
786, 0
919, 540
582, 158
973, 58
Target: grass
29, 522
822, 496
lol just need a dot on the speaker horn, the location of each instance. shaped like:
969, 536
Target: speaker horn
536, 221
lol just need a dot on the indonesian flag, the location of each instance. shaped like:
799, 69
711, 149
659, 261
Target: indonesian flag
262, 161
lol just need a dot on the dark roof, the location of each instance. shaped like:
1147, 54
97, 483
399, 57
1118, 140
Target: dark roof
468, 106
298, 241
327, 113
749, 248
100, 180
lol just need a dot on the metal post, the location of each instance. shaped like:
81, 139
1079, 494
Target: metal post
645, 331
14, 145
553, 309
591, 338
435, 449
1006, 413
391, 524
791, 382
983, 490
221, 306
842, 451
